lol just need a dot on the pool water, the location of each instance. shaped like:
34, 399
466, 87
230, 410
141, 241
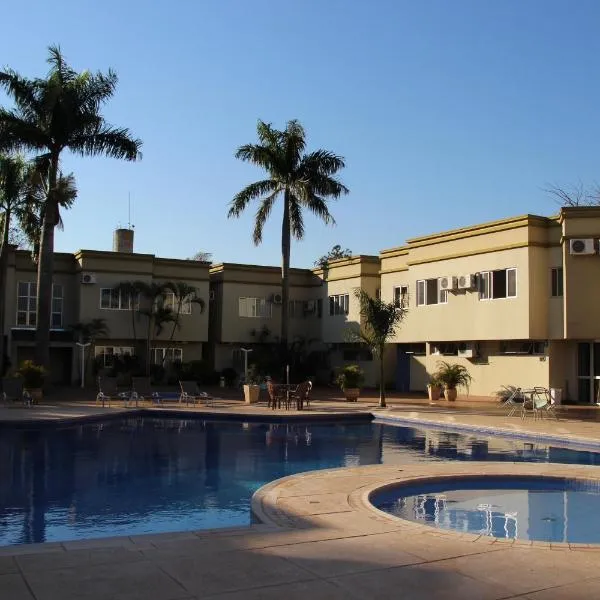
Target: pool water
526, 508
149, 475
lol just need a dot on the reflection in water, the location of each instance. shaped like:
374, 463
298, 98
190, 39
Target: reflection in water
139, 475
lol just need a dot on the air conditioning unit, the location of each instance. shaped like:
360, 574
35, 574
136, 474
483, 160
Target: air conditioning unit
466, 350
467, 282
276, 298
88, 278
448, 282
309, 306
582, 246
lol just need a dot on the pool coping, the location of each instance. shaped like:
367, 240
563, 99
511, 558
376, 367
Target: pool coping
287, 502
581, 443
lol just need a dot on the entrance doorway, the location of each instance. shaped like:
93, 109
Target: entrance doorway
588, 372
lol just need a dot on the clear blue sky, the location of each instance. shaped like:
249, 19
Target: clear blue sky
448, 113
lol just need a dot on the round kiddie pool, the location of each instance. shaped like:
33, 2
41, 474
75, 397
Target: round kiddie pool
548, 509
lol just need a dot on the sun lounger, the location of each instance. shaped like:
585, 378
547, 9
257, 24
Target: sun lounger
191, 393
107, 391
142, 390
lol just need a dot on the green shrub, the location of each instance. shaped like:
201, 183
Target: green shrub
33, 375
351, 376
453, 376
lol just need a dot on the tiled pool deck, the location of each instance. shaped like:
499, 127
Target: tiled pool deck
320, 539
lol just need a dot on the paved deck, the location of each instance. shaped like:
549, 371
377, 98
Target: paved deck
319, 540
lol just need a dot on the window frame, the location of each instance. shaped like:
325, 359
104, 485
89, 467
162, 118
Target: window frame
441, 296
61, 300
339, 305
122, 351
400, 296
486, 284
254, 307
165, 351
132, 304
557, 282
31, 313
171, 300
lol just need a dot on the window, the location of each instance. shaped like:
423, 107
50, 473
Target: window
417, 349
296, 309
429, 292
172, 301
111, 299
445, 348
108, 353
557, 282
160, 355
27, 305
498, 284
401, 296
254, 308
57, 306
536, 347
339, 304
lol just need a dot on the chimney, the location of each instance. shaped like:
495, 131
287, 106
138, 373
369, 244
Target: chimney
123, 241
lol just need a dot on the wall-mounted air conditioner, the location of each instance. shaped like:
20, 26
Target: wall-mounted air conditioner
448, 282
276, 298
467, 282
88, 278
582, 246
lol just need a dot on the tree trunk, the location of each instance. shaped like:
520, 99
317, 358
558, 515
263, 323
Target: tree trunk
46, 270
382, 403
285, 281
3, 270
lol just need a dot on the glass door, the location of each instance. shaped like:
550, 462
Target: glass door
588, 372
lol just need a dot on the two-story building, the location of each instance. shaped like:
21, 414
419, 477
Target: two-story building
84, 289
512, 300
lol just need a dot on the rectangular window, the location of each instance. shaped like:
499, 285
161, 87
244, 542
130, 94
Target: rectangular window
56, 319
108, 353
172, 301
557, 282
27, 305
401, 296
536, 347
420, 292
111, 299
254, 308
429, 292
161, 355
339, 304
445, 348
498, 284
296, 309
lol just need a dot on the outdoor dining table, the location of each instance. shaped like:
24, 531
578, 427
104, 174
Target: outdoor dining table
289, 388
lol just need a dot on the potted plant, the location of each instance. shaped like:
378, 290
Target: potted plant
350, 380
33, 379
434, 388
452, 376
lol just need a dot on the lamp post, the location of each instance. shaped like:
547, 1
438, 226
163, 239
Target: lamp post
246, 351
83, 347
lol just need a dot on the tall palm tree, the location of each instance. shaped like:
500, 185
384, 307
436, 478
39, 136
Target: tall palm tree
59, 112
90, 331
13, 203
306, 181
379, 321
132, 290
152, 296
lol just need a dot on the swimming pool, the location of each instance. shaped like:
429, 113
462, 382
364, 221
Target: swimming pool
149, 475
546, 509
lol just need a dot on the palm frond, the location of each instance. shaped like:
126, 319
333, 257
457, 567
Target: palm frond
262, 214
296, 219
108, 141
261, 156
317, 205
294, 139
249, 193
18, 133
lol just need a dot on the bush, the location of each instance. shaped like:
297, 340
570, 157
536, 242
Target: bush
453, 376
351, 376
33, 375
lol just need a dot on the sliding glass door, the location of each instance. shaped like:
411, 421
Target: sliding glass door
588, 372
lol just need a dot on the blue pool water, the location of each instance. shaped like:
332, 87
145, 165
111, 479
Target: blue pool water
140, 474
526, 508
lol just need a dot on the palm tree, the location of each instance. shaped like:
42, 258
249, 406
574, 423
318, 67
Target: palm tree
183, 292
59, 112
132, 290
13, 202
90, 331
306, 181
379, 321
152, 295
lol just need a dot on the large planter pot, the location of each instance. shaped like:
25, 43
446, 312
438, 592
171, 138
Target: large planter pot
434, 393
351, 394
251, 394
35, 393
450, 394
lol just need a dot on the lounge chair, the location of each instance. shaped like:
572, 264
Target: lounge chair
141, 389
12, 391
191, 393
107, 391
